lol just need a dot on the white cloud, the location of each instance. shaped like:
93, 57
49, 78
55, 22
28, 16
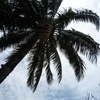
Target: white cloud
15, 88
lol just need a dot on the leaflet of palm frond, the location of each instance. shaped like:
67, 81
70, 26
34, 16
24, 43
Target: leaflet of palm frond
35, 66
54, 56
73, 57
49, 75
82, 43
38, 72
32, 65
14, 39
74, 15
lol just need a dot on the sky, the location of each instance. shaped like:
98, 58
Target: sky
15, 87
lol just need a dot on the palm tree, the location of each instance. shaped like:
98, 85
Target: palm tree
34, 27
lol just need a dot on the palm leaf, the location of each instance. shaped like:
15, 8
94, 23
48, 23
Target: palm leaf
54, 56
35, 69
32, 66
38, 72
73, 57
13, 39
84, 15
49, 75
88, 16
82, 43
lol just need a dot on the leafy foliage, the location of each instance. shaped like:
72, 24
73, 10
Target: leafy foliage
35, 27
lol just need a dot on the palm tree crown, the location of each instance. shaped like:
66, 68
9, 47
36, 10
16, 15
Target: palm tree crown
35, 27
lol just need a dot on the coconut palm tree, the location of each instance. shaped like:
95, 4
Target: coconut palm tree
34, 27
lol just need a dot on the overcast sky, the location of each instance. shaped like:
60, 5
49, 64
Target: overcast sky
15, 88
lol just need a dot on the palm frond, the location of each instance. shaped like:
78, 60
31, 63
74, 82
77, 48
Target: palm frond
50, 7
32, 66
35, 69
73, 57
13, 39
87, 16
36, 64
82, 43
54, 56
49, 75
38, 72
65, 17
